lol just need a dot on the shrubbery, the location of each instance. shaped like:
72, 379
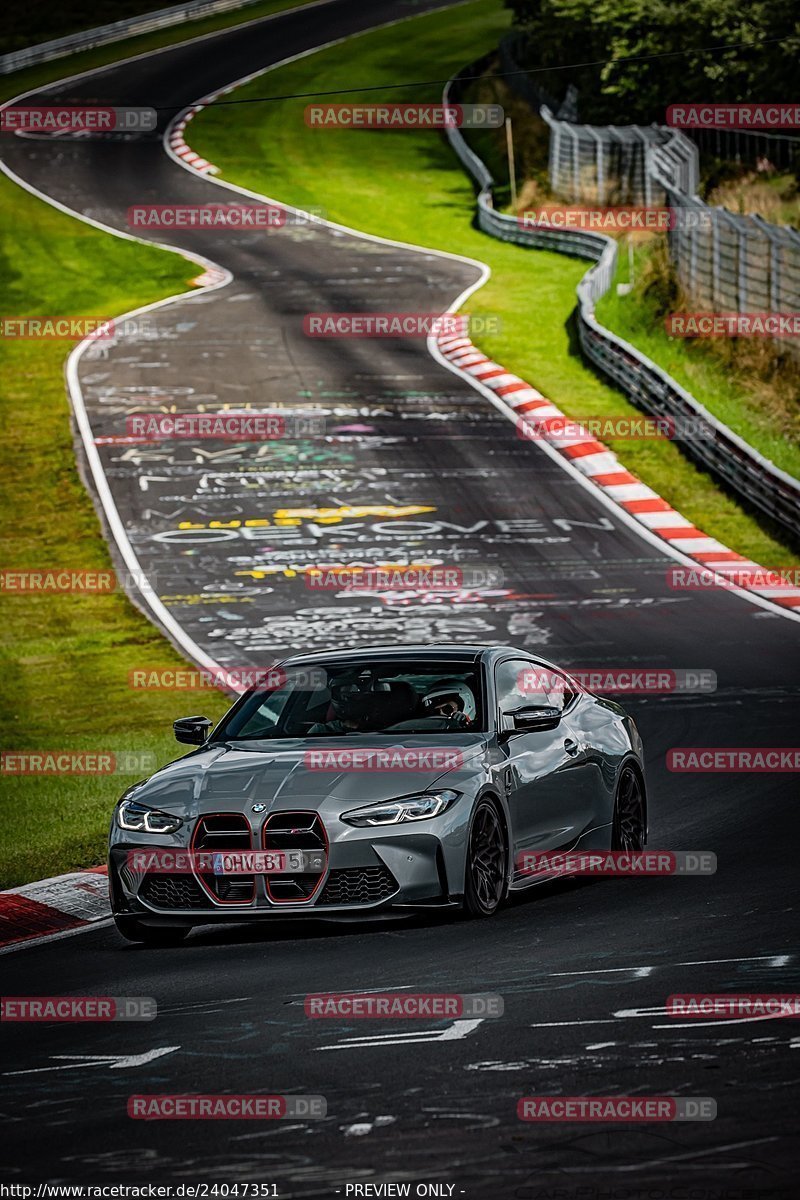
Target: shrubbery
559, 35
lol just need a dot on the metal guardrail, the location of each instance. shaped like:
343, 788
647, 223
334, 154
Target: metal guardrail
713, 445
87, 39
726, 261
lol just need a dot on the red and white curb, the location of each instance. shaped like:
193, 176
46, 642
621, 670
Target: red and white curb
211, 277
52, 906
602, 467
177, 143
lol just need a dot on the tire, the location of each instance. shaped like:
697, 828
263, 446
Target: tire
133, 930
629, 825
487, 862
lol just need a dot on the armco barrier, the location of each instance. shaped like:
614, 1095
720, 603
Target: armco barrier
725, 262
87, 39
716, 448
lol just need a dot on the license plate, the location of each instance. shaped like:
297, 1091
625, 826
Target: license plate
268, 862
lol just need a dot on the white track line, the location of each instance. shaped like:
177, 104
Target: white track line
162, 615
665, 548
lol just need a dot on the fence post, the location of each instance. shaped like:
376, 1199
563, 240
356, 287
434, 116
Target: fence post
599, 166
720, 450
715, 273
555, 151
576, 162
741, 230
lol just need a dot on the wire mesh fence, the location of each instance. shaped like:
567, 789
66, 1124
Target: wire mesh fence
725, 262
713, 445
749, 147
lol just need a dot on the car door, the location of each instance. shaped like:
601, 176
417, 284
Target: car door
546, 774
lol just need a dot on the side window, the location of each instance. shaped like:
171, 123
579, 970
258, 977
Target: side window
521, 684
511, 679
557, 690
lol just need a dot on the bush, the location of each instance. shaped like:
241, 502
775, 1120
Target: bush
653, 53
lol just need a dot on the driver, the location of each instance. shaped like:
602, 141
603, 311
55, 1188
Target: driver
344, 719
452, 700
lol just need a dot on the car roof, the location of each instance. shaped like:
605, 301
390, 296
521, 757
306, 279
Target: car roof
432, 651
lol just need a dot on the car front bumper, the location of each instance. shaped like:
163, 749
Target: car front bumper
368, 871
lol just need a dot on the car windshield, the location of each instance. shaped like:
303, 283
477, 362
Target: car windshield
350, 699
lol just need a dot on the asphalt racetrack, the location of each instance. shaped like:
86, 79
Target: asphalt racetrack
421, 465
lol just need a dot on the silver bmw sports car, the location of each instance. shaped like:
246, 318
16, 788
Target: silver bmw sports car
352, 783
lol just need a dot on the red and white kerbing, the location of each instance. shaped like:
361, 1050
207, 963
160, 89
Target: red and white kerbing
602, 467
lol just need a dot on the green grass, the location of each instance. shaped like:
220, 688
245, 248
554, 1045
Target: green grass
740, 189
746, 383
65, 658
760, 406
409, 186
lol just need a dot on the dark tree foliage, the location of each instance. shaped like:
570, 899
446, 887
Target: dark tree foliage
555, 34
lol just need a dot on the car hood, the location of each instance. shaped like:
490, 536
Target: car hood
231, 777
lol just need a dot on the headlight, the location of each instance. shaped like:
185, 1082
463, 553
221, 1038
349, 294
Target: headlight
136, 817
410, 808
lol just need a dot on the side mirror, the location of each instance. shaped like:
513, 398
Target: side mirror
192, 730
528, 720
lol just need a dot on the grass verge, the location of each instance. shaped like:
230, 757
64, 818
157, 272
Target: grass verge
65, 658
744, 382
748, 384
409, 186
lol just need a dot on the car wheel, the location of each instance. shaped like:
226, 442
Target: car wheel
487, 857
133, 930
628, 828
